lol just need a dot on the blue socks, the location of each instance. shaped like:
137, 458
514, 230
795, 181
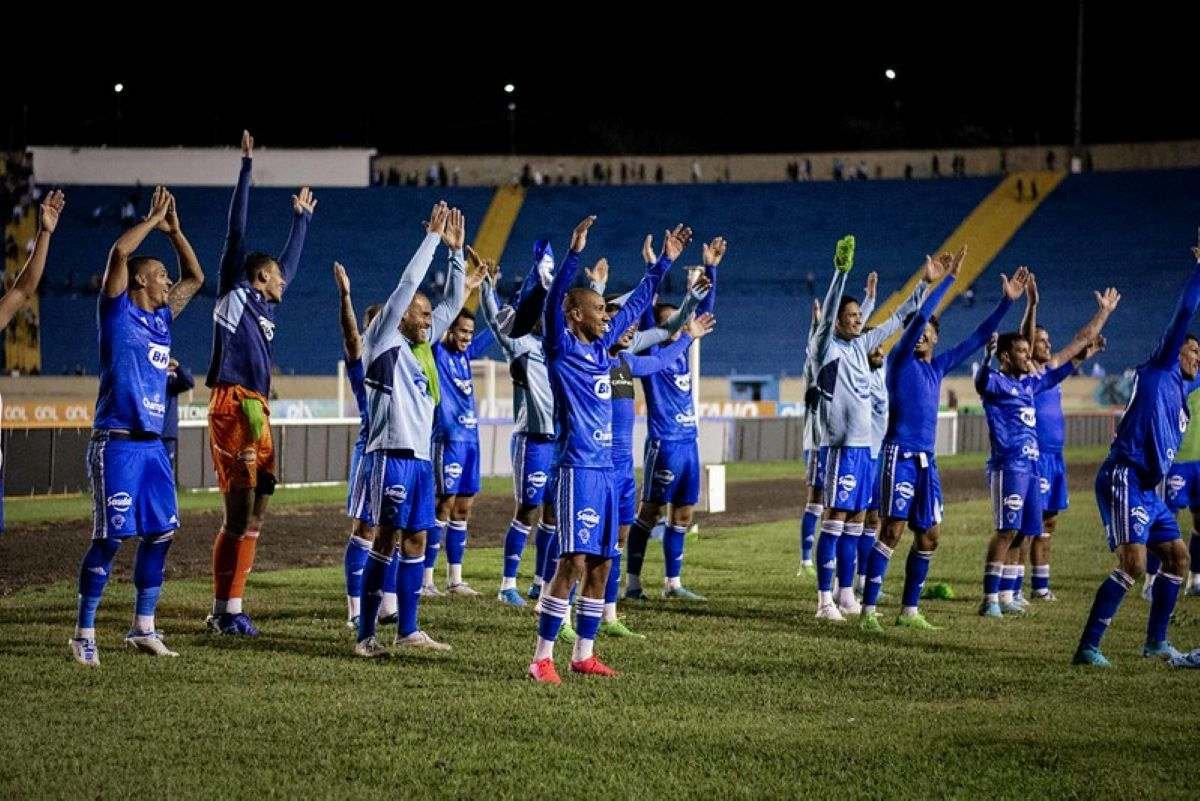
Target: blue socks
635, 550
355, 562
148, 569
673, 551
877, 565
408, 591
1162, 604
827, 553
456, 542
808, 530
915, 571
866, 542
847, 554
612, 589
550, 620
514, 546
378, 566
992, 573
433, 543
541, 542
1041, 579
1104, 607
93, 576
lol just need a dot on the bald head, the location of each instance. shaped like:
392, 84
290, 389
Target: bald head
418, 319
585, 314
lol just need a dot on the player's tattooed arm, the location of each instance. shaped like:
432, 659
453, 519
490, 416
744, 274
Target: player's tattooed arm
116, 272
191, 275
25, 287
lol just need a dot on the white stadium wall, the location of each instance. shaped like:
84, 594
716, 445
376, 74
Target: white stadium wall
182, 166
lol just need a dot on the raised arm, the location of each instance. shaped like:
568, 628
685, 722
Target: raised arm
116, 272
673, 246
1029, 320
983, 376
664, 357
191, 276
1107, 303
303, 206
479, 271
1054, 376
867, 307
385, 326
25, 287
233, 250
1167, 351
553, 318
935, 270
906, 346
645, 339
1010, 290
456, 282
531, 300
490, 314
714, 251
351, 340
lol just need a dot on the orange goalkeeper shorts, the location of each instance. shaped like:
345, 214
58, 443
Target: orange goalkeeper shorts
240, 460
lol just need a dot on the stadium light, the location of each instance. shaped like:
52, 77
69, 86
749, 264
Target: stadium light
509, 88
119, 88
890, 74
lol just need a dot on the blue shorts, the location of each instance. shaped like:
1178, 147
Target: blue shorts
401, 491
1016, 500
133, 487
911, 487
1182, 486
625, 482
873, 504
814, 468
671, 472
587, 512
456, 465
1052, 472
358, 496
533, 467
848, 478
1131, 512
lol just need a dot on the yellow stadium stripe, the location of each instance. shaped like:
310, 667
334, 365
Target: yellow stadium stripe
985, 232
497, 224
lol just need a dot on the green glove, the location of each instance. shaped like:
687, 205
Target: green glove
843, 257
253, 409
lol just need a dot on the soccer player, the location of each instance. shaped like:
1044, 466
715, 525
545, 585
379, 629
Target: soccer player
1183, 488
358, 508
133, 485
911, 491
455, 450
845, 426
814, 459
1051, 436
878, 392
671, 466
578, 335
1008, 402
400, 395
1134, 515
26, 284
239, 374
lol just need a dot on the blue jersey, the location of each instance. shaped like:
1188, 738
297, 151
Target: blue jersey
356, 373
627, 367
1008, 403
243, 319
579, 371
135, 347
1051, 424
455, 420
1156, 418
915, 385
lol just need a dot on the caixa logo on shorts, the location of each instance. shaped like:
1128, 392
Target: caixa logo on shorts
397, 493
159, 356
268, 328
602, 385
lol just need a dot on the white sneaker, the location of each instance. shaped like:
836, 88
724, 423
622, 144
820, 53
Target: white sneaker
848, 605
419, 639
461, 588
430, 591
830, 612
148, 642
85, 652
370, 648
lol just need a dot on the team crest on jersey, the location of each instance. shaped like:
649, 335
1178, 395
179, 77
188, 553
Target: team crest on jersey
588, 517
602, 386
1044, 484
159, 355
464, 385
120, 502
421, 382
683, 382
397, 493
1029, 416
664, 476
268, 328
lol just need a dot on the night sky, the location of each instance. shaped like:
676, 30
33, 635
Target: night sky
623, 83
